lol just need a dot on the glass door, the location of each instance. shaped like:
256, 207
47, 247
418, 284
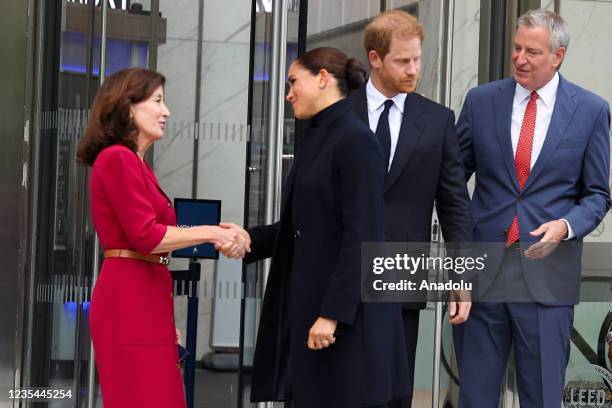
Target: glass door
64, 237
204, 55
589, 36
258, 163
203, 49
69, 57
205, 58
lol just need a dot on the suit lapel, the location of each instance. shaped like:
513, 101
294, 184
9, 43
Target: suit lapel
410, 133
562, 114
503, 124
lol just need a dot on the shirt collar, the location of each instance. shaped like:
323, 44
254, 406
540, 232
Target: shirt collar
547, 93
376, 99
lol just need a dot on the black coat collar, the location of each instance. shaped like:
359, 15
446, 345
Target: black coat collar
329, 115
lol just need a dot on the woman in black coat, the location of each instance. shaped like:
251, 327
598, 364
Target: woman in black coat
318, 344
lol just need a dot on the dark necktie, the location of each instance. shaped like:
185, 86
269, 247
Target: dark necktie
522, 159
383, 133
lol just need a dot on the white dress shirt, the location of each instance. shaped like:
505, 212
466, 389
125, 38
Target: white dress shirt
545, 103
376, 105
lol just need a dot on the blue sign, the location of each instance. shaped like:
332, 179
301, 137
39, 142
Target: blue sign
191, 213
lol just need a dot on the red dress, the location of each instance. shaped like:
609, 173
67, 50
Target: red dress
132, 311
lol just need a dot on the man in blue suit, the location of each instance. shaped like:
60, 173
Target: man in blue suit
539, 147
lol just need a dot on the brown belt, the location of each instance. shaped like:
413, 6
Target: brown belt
126, 253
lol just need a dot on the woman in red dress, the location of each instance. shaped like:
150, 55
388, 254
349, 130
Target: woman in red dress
132, 315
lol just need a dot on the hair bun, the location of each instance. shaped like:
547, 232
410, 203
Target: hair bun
355, 73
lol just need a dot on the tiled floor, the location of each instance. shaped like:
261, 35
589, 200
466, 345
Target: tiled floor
216, 389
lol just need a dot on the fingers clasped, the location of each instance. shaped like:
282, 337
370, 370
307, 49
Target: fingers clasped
235, 242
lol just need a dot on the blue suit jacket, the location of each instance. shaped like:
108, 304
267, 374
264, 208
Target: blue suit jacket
570, 178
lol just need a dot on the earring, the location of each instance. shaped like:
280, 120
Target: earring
321, 86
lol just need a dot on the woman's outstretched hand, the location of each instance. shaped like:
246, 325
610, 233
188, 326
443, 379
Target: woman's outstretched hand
232, 241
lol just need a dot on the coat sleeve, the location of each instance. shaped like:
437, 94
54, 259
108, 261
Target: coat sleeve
593, 202
263, 238
124, 184
359, 176
452, 197
464, 134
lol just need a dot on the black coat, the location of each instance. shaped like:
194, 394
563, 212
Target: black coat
426, 168
333, 203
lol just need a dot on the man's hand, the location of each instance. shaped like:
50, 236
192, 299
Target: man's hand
321, 334
459, 306
552, 233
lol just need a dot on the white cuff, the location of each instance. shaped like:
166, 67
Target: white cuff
570, 231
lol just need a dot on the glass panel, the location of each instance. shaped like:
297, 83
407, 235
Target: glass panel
211, 119
62, 284
256, 177
14, 114
257, 161
464, 76
590, 31
202, 154
340, 24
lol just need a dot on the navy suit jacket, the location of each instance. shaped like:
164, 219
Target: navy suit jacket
570, 178
426, 169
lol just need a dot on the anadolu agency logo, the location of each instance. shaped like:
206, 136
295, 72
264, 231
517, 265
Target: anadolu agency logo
588, 386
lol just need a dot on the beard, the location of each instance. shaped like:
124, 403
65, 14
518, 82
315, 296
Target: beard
404, 84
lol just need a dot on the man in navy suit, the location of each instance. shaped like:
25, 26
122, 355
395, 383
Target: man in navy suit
539, 146
421, 150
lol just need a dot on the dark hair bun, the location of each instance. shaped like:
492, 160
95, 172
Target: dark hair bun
348, 71
355, 74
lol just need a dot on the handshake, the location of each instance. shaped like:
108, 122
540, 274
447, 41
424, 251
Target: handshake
231, 240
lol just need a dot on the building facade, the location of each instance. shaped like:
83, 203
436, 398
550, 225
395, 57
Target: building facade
231, 137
